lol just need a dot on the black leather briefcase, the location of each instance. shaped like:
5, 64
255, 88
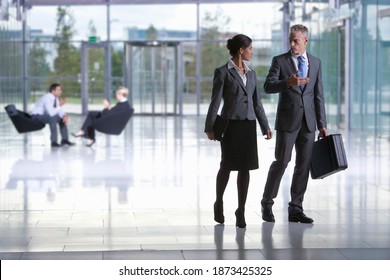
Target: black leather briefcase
328, 156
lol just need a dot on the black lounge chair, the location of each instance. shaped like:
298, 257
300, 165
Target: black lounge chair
22, 121
113, 123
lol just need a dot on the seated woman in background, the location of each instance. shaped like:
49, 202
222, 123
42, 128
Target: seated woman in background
87, 130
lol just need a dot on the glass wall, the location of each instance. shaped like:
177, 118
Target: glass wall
382, 127
220, 22
353, 44
55, 43
11, 59
352, 40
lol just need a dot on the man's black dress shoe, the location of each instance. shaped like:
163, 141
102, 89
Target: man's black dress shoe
66, 142
55, 144
300, 218
268, 216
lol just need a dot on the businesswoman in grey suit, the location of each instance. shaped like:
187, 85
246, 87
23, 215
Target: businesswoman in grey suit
236, 84
296, 76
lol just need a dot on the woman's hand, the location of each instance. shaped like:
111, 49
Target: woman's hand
211, 135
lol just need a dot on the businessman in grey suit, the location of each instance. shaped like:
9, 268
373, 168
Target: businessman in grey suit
296, 76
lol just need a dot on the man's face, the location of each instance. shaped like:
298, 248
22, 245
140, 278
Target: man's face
57, 92
298, 42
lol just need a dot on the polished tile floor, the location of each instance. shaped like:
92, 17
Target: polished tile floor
148, 194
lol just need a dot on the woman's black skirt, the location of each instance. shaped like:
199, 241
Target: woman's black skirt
239, 146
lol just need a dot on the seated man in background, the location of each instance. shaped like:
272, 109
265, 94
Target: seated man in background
48, 110
87, 130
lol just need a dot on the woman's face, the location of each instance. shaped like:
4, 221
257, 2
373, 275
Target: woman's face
247, 53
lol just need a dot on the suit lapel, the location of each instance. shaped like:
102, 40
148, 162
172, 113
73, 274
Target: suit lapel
250, 86
237, 77
291, 63
312, 67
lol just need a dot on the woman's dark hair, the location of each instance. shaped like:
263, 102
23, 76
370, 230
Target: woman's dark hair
238, 41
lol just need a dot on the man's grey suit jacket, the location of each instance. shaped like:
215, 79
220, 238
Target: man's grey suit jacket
240, 102
295, 103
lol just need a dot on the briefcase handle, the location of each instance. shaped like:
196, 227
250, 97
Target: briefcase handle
319, 136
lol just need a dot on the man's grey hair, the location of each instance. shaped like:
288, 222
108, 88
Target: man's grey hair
300, 28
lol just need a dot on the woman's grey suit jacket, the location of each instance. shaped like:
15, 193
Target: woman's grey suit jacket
240, 102
294, 103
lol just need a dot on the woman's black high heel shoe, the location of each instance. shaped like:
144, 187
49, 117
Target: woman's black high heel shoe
218, 213
90, 144
240, 218
77, 135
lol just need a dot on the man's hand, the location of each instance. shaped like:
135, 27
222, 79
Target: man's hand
63, 101
323, 132
106, 104
268, 135
65, 119
295, 81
